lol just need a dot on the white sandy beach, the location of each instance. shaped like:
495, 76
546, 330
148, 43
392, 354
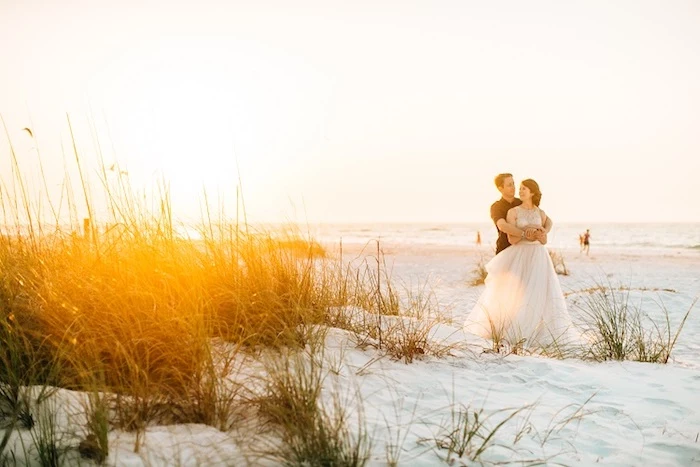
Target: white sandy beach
638, 414
573, 412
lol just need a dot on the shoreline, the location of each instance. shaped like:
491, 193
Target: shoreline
571, 254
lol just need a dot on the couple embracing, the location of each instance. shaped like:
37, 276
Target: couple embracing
522, 304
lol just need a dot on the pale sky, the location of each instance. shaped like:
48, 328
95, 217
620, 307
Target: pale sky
365, 111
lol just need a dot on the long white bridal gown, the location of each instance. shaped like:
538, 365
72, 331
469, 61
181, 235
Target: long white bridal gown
523, 303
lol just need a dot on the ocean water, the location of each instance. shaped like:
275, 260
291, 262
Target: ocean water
605, 236
681, 237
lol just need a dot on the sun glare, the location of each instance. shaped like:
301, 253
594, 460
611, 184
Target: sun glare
171, 124
179, 112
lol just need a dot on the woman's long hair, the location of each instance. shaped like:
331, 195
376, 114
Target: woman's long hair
534, 189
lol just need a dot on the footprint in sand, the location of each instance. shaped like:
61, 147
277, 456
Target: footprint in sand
666, 406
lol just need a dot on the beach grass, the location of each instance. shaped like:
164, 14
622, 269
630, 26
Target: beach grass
479, 272
313, 429
558, 262
616, 327
152, 324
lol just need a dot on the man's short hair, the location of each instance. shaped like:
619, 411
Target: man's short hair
500, 178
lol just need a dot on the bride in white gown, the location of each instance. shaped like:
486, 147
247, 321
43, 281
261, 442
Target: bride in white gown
523, 304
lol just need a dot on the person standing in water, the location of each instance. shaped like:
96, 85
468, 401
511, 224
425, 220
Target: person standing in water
587, 241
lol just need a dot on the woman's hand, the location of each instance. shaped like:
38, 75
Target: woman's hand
531, 233
536, 233
542, 236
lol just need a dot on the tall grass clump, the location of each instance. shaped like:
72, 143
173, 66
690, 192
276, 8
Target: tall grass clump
618, 329
479, 272
469, 433
217, 396
558, 262
95, 446
47, 438
398, 321
366, 282
313, 432
28, 372
411, 334
265, 292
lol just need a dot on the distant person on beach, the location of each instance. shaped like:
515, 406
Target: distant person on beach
478, 238
505, 184
587, 241
523, 304
580, 243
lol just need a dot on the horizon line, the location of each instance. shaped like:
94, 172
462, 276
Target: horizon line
419, 222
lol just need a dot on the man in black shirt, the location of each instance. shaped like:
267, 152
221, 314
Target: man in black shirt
505, 184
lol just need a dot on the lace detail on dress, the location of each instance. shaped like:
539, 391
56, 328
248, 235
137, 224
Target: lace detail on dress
527, 217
